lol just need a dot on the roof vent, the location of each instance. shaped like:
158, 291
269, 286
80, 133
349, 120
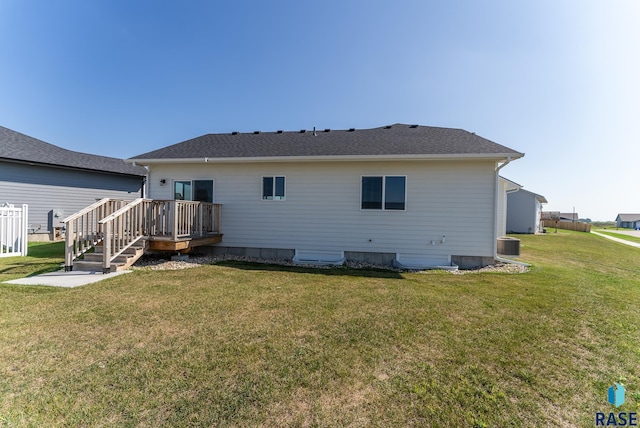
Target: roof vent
327, 130
256, 132
234, 133
387, 127
413, 126
279, 131
302, 131
351, 129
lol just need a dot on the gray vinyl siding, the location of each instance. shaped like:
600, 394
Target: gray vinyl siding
47, 188
523, 212
322, 207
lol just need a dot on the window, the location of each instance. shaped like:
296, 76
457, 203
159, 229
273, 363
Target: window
182, 190
273, 188
203, 190
196, 190
384, 193
371, 193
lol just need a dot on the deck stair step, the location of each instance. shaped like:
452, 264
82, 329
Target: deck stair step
92, 262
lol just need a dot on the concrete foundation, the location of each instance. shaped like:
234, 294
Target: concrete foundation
472, 262
382, 259
259, 253
39, 237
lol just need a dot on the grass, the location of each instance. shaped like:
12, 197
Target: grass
619, 235
601, 224
42, 257
251, 345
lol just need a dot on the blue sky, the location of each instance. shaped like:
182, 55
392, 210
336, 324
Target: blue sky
558, 80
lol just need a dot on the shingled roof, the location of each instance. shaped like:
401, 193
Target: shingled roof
15, 146
397, 140
629, 217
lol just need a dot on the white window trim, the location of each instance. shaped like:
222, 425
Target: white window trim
284, 198
384, 192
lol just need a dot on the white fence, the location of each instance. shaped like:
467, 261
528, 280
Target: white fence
13, 230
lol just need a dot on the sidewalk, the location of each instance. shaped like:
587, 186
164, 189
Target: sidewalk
65, 279
622, 241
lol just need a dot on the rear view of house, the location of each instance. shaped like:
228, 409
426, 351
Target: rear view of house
55, 182
414, 195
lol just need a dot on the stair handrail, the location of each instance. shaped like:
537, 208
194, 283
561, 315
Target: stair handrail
124, 209
88, 209
123, 228
83, 231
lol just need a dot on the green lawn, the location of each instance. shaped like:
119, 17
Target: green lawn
254, 345
42, 257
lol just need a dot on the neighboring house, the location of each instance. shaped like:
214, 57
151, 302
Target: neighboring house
506, 187
628, 221
573, 217
524, 212
423, 196
56, 182
551, 215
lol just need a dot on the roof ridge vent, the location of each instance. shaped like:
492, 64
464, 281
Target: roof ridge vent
234, 133
387, 127
413, 126
302, 131
351, 129
327, 130
279, 131
256, 132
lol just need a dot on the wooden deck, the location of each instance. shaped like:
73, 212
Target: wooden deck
146, 224
183, 244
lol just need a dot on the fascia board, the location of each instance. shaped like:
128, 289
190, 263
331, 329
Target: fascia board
344, 158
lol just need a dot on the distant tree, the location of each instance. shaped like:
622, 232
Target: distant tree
585, 220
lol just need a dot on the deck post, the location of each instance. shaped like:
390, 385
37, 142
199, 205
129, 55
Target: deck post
174, 214
216, 217
200, 217
68, 254
106, 255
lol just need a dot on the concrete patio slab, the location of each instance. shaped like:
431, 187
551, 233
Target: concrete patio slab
65, 279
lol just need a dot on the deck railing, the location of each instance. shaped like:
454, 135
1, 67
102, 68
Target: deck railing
179, 219
119, 225
123, 229
83, 230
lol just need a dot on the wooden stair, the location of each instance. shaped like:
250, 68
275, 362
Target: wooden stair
129, 228
92, 262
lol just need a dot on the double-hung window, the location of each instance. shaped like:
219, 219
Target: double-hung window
193, 190
384, 192
273, 188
